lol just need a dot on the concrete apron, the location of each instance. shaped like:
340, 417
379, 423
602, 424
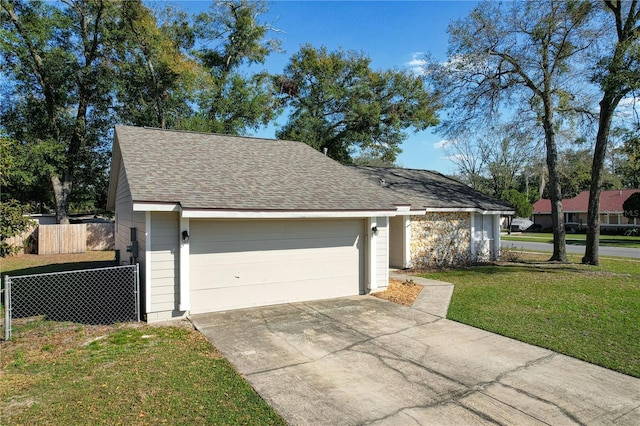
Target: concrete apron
362, 360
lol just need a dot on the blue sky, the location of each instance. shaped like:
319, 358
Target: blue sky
392, 33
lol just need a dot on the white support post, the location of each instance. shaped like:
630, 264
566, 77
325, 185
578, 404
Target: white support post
185, 288
371, 254
472, 242
496, 237
406, 242
385, 246
147, 262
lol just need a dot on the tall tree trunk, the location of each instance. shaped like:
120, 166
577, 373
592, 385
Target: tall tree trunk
555, 194
607, 107
616, 84
543, 182
61, 193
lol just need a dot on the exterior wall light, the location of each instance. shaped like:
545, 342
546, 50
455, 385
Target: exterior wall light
185, 236
374, 230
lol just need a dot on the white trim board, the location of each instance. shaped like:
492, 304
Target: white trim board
463, 210
234, 214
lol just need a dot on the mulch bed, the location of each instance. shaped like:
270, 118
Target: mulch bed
401, 292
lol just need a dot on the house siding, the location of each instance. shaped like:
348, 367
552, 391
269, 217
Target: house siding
396, 242
126, 219
440, 239
165, 267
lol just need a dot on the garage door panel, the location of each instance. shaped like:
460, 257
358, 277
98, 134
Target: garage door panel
273, 245
243, 274
279, 261
222, 231
218, 256
267, 294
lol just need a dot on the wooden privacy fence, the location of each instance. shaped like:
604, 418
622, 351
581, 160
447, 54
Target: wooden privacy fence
21, 240
62, 239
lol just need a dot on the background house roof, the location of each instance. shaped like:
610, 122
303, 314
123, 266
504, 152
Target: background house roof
426, 189
610, 201
209, 171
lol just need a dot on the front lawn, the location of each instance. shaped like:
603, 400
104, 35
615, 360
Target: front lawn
27, 264
54, 373
65, 373
590, 313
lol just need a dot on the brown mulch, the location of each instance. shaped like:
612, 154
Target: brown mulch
401, 292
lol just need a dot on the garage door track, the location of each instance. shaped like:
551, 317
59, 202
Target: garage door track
362, 360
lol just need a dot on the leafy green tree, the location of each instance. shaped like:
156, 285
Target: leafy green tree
12, 212
516, 57
76, 67
156, 77
506, 150
575, 171
27, 182
12, 222
629, 169
338, 102
519, 201
56, 59
618, 74
232, 38
368, 160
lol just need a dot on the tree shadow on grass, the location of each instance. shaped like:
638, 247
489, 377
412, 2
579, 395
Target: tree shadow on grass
531, 266
61, 267
604, 242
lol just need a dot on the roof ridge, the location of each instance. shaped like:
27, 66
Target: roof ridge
195, 132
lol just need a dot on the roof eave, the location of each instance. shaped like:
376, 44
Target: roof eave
200, 213
114, 174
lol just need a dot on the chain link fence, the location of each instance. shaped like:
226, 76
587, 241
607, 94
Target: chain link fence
89, 296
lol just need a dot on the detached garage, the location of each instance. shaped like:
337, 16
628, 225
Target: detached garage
222, 222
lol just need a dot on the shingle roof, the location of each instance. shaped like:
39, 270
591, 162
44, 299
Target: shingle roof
208, 171
610, 202
426, 189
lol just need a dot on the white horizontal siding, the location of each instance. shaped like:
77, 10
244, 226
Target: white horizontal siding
165, 266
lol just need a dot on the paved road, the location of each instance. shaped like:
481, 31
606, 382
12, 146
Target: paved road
604, 251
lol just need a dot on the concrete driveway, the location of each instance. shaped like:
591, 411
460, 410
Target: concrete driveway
362, 360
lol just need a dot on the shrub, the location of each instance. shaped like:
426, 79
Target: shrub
12, 222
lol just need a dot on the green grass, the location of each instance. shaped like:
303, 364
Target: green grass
27, 264
65, 373
575, 239
56, 373
591, 313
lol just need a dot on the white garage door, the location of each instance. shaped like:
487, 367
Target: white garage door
239, 264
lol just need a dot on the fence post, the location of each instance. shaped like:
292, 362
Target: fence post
7, 307
137, 292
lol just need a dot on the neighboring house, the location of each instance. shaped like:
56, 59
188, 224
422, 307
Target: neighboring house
222, 222
575, 209
43, 219
449, 223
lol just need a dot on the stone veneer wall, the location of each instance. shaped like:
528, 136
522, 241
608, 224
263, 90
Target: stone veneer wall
440, 239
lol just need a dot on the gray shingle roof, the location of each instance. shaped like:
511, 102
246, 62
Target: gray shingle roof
428, 189
208, 171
